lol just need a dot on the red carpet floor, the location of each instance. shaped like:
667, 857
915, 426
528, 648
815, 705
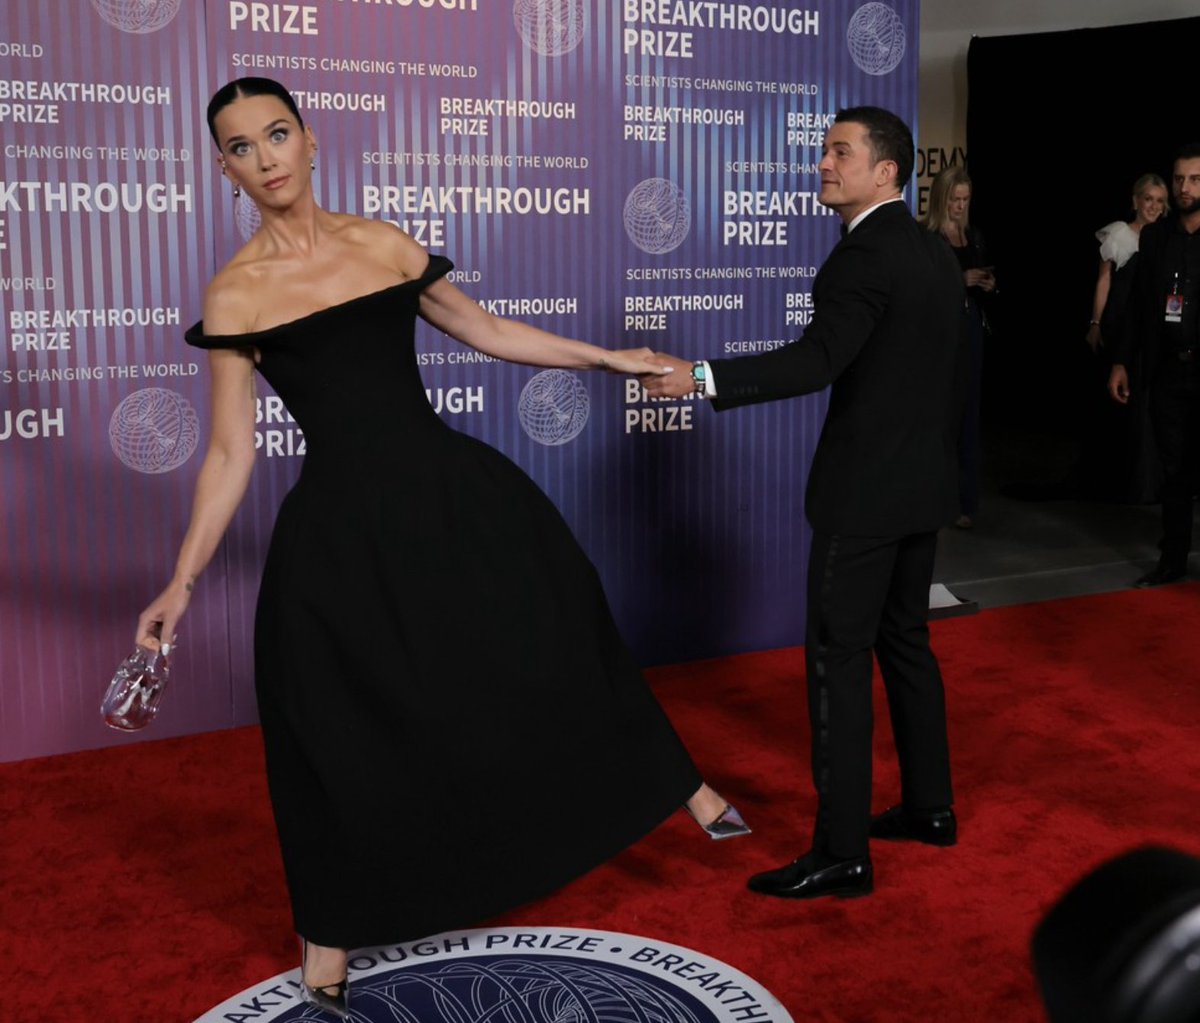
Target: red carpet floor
144, 884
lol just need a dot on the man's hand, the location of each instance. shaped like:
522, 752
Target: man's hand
1118, 384
671, 385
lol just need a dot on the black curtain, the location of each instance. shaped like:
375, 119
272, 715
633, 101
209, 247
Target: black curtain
1059, 126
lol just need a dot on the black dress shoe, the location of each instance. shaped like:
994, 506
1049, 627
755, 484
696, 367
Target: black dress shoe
1159, 575
933, 827
810, 877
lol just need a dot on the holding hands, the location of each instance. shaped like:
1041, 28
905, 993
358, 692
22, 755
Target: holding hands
636, 362
673, 381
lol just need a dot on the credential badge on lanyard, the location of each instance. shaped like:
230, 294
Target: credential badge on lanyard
1173, 312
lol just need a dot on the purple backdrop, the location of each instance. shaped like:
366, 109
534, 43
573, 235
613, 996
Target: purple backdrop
625, 172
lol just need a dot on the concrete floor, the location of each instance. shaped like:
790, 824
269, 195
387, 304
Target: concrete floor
1022, 551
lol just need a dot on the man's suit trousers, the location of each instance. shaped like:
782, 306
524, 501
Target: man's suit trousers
1175, 413
871, 595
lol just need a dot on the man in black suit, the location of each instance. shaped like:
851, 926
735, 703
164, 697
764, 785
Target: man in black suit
1163, 316
887, 326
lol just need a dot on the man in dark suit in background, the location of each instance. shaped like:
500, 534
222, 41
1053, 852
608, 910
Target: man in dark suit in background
1163, 316
886, 329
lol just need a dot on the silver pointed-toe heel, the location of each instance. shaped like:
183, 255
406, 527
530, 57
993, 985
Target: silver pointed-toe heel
728, 824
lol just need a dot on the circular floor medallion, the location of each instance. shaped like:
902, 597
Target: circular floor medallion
524, 975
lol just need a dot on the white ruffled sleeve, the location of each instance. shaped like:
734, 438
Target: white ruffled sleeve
1118, 242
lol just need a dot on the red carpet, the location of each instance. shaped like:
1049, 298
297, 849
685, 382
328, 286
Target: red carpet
143, 883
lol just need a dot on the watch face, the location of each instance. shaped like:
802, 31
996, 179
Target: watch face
698, 372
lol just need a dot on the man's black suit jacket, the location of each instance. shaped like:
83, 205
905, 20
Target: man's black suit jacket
888, 325
1143, 337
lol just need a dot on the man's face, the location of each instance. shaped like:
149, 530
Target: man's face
1185, 186
851, 180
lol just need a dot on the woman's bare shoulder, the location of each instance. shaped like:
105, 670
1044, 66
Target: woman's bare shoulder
387, 244
230, 303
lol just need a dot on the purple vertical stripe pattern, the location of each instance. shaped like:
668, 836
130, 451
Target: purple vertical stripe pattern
697, 531
104, 247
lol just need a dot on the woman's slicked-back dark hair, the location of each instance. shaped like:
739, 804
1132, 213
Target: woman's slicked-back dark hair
250, 86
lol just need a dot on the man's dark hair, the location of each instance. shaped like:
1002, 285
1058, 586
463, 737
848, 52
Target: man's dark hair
887, 135
1189, 152
249, 86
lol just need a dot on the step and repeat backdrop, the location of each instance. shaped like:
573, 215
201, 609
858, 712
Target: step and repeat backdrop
629, 172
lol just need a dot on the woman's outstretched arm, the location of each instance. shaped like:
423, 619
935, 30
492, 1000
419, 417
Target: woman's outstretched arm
222, 482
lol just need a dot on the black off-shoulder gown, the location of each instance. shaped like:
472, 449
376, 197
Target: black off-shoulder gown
453, 725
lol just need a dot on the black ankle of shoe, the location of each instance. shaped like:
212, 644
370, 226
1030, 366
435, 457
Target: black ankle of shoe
820, 859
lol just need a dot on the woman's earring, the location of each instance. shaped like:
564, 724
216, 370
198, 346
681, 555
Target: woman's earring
237, 191
312, 164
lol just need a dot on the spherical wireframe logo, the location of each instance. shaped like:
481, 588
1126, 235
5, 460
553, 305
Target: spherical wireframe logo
545, 991
154, 430
657, 216
137, 16
553, 407
550, 27
247, 216
876, 38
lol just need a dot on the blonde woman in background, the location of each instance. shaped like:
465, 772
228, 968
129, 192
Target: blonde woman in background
1121, 435
949, 215
1118, 247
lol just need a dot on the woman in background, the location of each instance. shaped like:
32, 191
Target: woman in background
1118, 251
1121, 436
452, 724
949, 215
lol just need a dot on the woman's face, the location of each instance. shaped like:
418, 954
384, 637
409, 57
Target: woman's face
1150, 203
958, 203
264, 150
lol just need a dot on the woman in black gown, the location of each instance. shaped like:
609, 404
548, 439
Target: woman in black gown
452, 723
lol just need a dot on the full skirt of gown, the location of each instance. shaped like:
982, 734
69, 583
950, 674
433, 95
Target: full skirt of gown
453, 725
